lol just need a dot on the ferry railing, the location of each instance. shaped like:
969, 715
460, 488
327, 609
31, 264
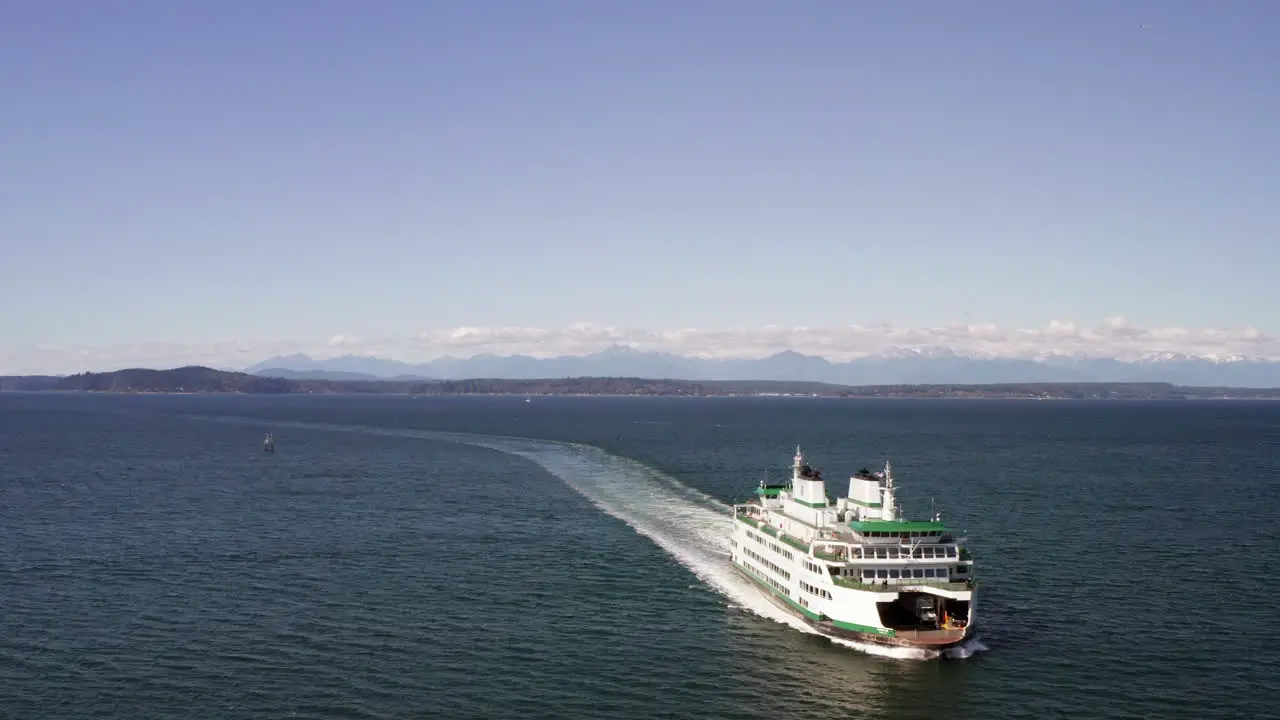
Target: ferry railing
833, 550
901, 585
796, 543
942, 632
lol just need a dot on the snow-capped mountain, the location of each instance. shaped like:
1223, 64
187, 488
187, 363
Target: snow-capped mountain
897, 366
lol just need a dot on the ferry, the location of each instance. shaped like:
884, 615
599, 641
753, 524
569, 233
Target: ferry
855, 569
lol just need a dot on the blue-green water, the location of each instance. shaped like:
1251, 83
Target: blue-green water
402, 558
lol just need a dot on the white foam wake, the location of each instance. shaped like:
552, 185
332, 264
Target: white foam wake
688, 524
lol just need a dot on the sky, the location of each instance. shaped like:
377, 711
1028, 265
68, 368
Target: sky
226, 181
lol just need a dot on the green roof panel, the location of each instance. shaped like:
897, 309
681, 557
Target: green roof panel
898, 526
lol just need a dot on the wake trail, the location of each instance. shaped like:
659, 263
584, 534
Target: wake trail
689, 525
686, 523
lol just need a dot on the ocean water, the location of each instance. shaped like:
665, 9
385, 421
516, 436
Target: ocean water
488, 558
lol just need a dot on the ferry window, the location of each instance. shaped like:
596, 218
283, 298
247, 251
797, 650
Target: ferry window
893, 573
918, 572
928, 572
868, 574
882, 573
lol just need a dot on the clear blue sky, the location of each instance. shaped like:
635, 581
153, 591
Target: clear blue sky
250, 170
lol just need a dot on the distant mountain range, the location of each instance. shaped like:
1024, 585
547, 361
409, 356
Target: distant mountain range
905, 367
203, 380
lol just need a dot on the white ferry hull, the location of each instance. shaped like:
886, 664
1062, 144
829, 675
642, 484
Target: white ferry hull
936, 640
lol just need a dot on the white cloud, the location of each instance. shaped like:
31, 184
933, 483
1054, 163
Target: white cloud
1115, 337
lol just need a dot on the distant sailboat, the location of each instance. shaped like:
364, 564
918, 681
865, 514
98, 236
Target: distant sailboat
269, 444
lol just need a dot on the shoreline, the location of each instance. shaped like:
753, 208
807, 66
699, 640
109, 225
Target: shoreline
780, 396
196, 380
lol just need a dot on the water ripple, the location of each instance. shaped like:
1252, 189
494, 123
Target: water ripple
378, 567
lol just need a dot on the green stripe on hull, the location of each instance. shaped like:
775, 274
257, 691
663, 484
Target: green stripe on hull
854, 627
760, 581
